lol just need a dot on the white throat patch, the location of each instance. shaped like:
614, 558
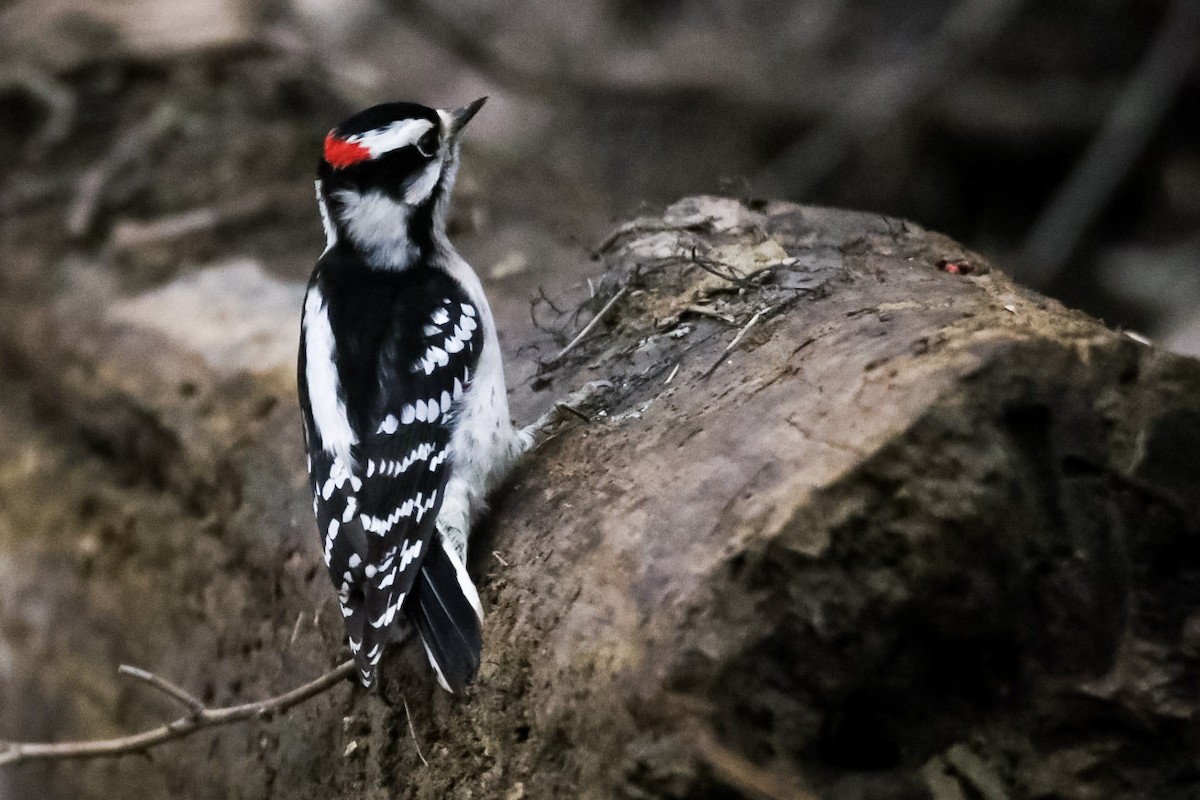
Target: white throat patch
379, 225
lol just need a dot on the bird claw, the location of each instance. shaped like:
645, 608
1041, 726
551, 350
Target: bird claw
583, 403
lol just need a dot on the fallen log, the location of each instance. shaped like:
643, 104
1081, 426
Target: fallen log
862, 518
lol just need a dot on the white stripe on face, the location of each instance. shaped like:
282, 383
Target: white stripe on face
392, 136
417, 190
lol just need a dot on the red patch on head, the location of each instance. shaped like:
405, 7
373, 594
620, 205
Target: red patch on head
340, 153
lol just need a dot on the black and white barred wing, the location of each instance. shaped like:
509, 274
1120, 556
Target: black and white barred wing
440, 600
381, 542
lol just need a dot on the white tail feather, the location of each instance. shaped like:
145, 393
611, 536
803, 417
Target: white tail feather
464, 580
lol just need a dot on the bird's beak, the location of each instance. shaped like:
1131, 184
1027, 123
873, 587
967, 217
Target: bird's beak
459, 117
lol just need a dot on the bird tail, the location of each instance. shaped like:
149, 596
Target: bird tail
446, 612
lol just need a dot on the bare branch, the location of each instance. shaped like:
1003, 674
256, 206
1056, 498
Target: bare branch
17, 752
184, 697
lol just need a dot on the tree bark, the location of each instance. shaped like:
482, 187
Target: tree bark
919, 532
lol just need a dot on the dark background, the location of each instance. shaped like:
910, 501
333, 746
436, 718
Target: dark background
969, 117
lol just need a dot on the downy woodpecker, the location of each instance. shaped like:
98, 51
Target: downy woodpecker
402, 389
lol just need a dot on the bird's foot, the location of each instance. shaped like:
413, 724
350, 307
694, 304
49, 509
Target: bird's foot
583, 403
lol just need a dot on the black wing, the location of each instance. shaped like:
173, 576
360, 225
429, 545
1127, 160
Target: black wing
402, 386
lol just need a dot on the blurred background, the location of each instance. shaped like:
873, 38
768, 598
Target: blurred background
1060, 139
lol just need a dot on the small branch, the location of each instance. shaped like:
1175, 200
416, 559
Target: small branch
17, 752
184, 697
591, 324
736, 340
413, 732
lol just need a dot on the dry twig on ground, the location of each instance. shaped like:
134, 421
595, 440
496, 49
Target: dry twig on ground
592, 323
198, 718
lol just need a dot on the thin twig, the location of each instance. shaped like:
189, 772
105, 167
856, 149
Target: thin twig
413, 732
736, 340
17, 752
591, 324
182, 696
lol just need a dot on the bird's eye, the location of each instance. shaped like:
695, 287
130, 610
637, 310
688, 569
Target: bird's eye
427, 144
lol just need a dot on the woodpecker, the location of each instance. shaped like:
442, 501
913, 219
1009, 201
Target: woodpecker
402, 389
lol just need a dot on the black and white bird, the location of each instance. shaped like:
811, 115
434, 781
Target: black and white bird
402, 389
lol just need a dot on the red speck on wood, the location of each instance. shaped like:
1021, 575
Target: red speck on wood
960, 267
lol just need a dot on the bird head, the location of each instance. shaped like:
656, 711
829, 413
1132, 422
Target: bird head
385, 178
